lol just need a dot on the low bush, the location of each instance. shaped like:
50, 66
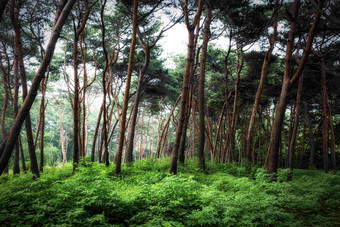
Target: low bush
147, 195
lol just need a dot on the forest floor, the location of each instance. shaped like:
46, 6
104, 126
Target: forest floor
146, 195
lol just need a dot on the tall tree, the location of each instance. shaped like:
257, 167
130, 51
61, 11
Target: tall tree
20, 57
188, 67
127, 89
288, 82
266, 61
201, 103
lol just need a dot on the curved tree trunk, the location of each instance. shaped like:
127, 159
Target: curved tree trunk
288, 82
260, 89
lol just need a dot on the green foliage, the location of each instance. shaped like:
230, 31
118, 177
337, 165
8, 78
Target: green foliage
146, 195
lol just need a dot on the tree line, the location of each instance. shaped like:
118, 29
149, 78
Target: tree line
98, 63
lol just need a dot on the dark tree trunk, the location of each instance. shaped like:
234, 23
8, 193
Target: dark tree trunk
324, 116
8, 145
330, 125
311, 137
20, 55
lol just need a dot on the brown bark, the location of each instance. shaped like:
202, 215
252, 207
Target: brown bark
201, 103
104, 84
287, 84
8, 146
42, 120
265, 64
142, 71
76, 101
185, 87
127, 89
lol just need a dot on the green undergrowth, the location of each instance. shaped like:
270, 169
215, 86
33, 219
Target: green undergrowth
146, 195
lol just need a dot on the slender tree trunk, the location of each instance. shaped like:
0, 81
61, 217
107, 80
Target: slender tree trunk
324, 116
265, 64
201, 103
330, 125
62, 139
292, 141
19, 51
127, 89
129, 150
42, 125
96, 134
311, 137
8, 145
23, 163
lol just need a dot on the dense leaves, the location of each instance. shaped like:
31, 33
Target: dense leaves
146, 195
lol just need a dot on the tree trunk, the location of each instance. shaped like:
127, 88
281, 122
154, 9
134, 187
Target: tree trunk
127, 89
62, 139
311, 137
330, 125
142, 71
260, 89
292, 141
288, 82
201, 103
8, 145
20, 57
324, 116
185, 87
42, 125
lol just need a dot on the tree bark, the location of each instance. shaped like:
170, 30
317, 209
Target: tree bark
324, 116
76, 102
127, 89
288, 82
292, 141
185, 87
201, 103
330, 125
62, 139
8, 146
20, 58
265, 64
311, 137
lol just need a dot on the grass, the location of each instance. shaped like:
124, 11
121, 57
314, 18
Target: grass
146, 195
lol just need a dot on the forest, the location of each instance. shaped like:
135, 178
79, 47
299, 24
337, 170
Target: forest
108, 119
